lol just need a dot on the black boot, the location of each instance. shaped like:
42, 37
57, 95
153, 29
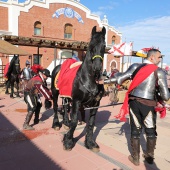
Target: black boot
26, 125
36, 119
150, 147
134, 157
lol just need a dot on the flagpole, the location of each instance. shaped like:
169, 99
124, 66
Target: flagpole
131, 53
122, 63
128, 61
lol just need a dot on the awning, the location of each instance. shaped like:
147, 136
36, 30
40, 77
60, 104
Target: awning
7, 48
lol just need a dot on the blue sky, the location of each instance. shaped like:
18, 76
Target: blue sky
144, 22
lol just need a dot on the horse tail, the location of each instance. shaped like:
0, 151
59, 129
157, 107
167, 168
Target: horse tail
55, 76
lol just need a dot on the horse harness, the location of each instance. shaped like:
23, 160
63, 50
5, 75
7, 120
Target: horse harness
94, 96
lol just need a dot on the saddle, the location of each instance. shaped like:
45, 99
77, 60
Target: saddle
64, 79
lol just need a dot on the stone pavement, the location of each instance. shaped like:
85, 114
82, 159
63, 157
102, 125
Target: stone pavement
43, 149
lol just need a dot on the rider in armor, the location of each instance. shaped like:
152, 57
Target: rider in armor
36, 86
148, 81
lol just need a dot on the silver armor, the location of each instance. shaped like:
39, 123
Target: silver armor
27, 74
147, 88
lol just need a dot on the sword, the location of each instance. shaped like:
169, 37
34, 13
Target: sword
114, 104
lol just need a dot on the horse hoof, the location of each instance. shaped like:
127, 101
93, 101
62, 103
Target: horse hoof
64, 148
95, 150
81, 123
66, 127
12, 97
56, 128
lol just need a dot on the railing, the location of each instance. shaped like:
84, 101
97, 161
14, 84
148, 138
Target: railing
2, 79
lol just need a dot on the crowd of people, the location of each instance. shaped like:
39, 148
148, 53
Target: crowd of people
148, 88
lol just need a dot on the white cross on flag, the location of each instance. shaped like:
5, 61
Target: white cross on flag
123, 49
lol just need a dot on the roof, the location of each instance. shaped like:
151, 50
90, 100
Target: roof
8, 48
47, 43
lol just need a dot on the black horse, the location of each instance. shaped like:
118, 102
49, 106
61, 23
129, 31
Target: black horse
13, 75
86, 91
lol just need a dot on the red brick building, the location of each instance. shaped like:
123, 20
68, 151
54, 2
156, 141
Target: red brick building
54, 20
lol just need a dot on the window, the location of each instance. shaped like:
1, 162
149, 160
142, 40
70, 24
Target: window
113, 39
66, 54
37, 28
37, 59
68, 31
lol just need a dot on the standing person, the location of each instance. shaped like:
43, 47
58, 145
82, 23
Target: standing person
147, 79
26, 74
34, 87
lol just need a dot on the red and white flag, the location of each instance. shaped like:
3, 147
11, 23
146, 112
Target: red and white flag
123, 49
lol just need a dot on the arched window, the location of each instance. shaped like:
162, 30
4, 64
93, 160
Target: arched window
37, 28
68, 31
113, 39
113, 66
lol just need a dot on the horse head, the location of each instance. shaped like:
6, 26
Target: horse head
97, 50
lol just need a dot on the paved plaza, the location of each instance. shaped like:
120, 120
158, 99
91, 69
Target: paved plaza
42, 148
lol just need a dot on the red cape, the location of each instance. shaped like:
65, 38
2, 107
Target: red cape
66, 77
141, 75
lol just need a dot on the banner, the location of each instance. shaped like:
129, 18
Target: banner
123, 49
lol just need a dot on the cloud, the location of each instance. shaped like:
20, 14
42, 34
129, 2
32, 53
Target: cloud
105, 8
110, 6
99, 13
149, 32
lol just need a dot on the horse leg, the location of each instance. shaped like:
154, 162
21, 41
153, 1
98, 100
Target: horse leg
7, 87
89, 141
82, 113
56, 124
66, 108
17, 87
68, 141
12, 90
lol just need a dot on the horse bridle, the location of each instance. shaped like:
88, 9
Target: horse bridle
97, 56
17, 64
